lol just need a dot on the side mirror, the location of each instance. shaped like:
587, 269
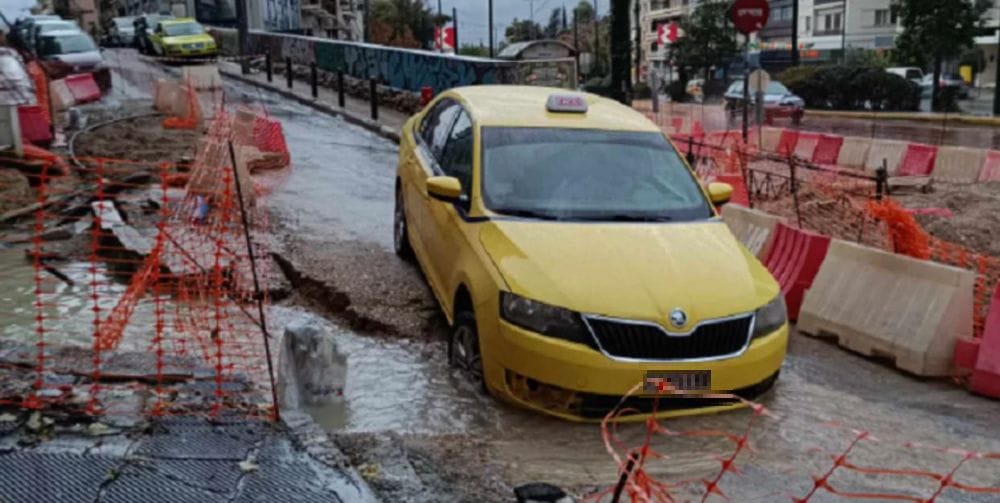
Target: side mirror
720, 193
444, 188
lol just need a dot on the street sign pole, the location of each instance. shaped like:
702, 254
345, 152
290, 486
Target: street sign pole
748, 16
746, 88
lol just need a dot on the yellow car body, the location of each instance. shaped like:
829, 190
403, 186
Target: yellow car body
621, 277
182, 38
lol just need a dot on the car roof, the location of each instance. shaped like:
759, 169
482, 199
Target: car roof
62, 33
503, 105
53, 21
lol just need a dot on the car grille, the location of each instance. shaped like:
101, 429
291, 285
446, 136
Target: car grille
193, 46
650, 342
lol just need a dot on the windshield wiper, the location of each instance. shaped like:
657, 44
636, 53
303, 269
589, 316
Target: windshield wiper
626, 217
526, 213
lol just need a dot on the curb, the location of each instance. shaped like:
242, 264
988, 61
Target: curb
971, 120
373, 126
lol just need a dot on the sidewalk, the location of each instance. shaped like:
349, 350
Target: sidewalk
357, 110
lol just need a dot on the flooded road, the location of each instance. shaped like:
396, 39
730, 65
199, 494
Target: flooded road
335, 213
422, 433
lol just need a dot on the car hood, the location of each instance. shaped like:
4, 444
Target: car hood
634, 271
189, 39
88, 58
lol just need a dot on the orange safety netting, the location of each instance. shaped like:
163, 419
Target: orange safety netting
637, 484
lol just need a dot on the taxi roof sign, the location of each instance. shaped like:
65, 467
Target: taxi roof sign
567, 103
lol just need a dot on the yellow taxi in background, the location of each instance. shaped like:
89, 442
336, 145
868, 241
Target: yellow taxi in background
182, 37
576, 256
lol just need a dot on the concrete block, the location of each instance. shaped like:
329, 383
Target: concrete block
883, 304
806, 146
164, 95
891, 151
854, 152
753, 228
202, 77
958, 164
62, 97
770, 136
991, 167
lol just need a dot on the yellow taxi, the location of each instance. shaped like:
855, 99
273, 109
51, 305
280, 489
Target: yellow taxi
183, 37
577, 257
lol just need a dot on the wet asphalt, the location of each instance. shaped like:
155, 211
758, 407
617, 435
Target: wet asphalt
332, 223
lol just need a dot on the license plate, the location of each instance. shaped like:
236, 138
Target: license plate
662, 383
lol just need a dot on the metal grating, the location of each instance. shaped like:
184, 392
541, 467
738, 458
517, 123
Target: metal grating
41, 477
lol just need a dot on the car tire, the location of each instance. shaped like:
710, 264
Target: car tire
464, 351
401, 230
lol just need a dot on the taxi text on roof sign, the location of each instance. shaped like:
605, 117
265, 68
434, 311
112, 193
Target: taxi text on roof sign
566, 103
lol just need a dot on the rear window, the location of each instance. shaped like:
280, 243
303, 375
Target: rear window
51, 27
69, 44
914, 74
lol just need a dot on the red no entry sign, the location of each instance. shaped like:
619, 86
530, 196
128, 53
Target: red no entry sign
749, 16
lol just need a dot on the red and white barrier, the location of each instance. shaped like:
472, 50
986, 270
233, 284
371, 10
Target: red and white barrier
794, 259
986, 375
918, 160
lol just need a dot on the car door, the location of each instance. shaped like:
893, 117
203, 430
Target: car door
445, 237
156, 39
421, 163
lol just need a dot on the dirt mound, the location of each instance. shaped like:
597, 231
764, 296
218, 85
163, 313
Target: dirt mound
975, 222
15, 192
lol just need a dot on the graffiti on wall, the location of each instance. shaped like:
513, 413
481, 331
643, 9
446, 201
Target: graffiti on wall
281, 15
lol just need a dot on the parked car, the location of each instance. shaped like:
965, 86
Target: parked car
46, 26
910, 73
183, 37
65, 52
20, 35
122, 32
778, 101
143, 27
575, 254
947, 80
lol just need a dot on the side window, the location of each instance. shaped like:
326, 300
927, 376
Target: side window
435, 126
457, 158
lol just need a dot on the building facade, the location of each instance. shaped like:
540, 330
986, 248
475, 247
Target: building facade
655, 56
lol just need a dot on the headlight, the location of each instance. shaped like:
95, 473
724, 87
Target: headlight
544, 319
770, 317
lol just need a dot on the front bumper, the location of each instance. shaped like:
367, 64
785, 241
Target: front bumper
574, 382
182, 52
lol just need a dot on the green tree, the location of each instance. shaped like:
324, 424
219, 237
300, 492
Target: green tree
934, 30
709, 39
402, 20
520, 31
474, 50
554, 26
584, 12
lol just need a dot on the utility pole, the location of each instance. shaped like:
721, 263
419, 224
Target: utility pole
621, 84
638, 45
996, 77
454, 26
368, 21
242, 29
843, 36
597, 38
440, 33
492, 49
576, 41
795, 32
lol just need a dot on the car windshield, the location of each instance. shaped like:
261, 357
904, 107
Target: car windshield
48, 27
123, 23
66, 45
181, 29
777, 88
587, 175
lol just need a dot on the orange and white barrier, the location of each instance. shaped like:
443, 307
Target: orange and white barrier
883, 304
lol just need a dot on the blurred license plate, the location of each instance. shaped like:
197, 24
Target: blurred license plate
657, 382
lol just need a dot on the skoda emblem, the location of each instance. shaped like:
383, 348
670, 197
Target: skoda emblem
678, 317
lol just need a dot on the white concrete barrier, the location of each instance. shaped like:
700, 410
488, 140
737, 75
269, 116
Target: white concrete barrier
958, 164
854, 152
770, 136
164, 95
62, 97
202, 77
891, 151
883, 304
753, 228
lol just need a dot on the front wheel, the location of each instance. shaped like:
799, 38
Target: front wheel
400, 231
464, 350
